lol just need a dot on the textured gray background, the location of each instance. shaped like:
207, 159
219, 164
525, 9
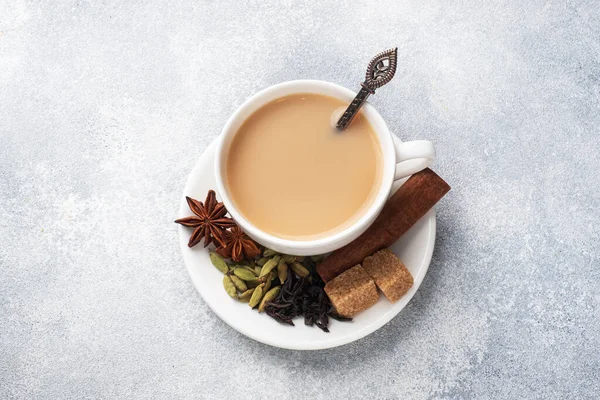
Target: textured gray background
105, 107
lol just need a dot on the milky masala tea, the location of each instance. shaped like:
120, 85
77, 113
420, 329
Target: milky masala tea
294, 175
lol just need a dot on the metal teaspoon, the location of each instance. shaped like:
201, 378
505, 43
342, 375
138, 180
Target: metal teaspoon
380, 71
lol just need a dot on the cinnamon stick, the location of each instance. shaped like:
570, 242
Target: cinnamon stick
417, 196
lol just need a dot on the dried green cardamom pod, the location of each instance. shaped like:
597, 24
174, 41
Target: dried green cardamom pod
262, 261
239, 284
251, 270
282, 270
256, 296
229, 286
253, 283
218, 262
299, 258
268, 279
288, 259
300, 270
257, 270
244, 274
269, 265
269, 296
245, 297
270, 253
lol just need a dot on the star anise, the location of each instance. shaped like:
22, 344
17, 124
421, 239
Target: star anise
210, 221
238, 245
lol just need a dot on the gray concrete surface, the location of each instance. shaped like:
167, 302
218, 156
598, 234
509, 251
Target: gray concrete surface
106, 105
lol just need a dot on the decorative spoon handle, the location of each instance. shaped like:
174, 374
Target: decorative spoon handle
380, 71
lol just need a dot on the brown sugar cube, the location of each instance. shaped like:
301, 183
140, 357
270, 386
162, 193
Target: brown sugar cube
389, 273
352, 291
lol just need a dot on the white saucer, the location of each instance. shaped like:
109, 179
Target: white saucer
414, 248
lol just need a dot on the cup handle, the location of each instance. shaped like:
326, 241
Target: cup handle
412, 157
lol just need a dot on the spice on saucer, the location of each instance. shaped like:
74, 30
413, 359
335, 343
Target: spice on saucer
218, 262
282, 291
301, 297
237, 245
209, 220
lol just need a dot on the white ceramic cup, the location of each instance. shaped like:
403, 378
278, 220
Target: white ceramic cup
399, 161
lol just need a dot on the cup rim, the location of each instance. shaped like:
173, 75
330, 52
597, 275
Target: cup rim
380, 128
